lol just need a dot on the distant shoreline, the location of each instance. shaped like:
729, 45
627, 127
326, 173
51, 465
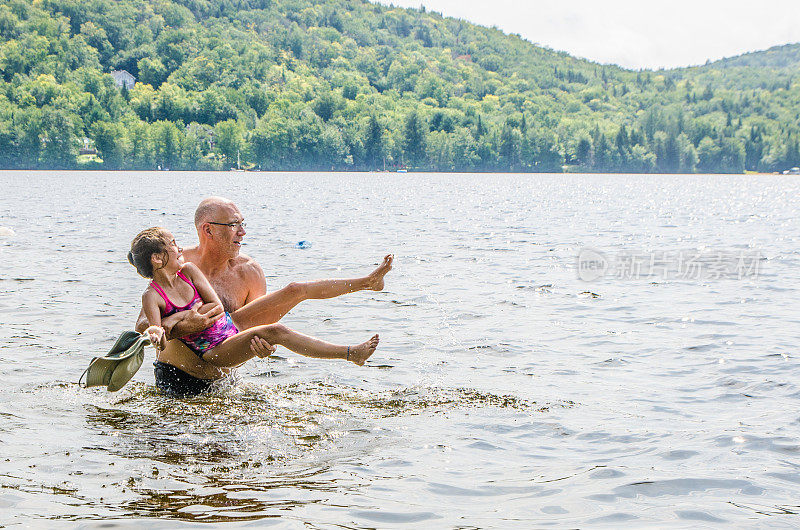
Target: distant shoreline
215, 85
365, 172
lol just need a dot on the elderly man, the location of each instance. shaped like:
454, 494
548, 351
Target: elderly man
242, 287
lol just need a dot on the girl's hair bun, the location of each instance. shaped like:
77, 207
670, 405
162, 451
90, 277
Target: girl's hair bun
145, 244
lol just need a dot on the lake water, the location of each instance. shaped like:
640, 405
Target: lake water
506, 391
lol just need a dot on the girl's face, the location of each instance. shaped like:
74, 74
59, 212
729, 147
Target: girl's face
174, 255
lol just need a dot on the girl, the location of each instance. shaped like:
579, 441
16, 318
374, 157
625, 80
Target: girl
176, 286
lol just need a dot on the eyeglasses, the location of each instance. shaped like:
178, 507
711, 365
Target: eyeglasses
233, 226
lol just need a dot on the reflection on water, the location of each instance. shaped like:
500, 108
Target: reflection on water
235, 454
243, 453
505, 391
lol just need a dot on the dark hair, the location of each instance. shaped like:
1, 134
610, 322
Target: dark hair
144, 245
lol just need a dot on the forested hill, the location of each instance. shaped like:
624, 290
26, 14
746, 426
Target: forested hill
784, 56
347, 84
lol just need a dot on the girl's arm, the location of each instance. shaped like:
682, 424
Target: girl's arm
152, 311
204, 289
183, 323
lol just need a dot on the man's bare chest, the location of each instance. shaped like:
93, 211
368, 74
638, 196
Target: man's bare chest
231, 290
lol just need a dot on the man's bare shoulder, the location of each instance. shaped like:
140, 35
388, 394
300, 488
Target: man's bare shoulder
251, 277
247, 267
191, 254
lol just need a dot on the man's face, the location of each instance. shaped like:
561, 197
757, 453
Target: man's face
228, 229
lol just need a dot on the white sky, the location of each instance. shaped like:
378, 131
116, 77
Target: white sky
643, 34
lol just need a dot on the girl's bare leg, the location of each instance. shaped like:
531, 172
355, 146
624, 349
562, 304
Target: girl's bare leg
271, 307
236, 350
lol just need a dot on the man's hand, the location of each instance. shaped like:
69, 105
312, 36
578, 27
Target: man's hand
211, 312
261, 348
198, 318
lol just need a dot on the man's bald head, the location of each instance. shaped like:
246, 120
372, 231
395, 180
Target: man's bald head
220, 227
209, 208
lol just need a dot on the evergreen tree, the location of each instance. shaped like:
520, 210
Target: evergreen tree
374, 148
510, 144
414, 140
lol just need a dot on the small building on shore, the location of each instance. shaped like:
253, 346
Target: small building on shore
122, 78
88, 148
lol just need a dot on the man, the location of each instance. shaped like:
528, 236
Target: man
241, 285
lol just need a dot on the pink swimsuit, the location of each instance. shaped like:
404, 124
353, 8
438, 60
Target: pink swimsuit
204, 340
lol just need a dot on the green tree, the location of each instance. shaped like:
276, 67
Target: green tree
229, 139
326, 105
668, 155
542, 152
510, 147
28, 132
166, 138
8, 147
414, 140
709, 156
152, 71
142, 147
603, 156
59, 141
374, 144
583, 152
110, 141
333, 152
465, 150
440, 152
273, 141
792, 153
732, 155
754, 149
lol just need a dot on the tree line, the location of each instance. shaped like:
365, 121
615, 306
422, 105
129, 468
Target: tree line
349, 85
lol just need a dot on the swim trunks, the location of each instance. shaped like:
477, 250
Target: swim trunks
174, 382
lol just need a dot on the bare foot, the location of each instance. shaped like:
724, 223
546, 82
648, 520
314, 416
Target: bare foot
359, 354
376, 277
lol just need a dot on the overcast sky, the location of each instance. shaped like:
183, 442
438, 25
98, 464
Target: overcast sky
635, 34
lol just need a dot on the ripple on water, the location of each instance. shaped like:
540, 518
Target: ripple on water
513, 385
694, 515
618, 517
679, 455
245, 452
387, 517
678, 487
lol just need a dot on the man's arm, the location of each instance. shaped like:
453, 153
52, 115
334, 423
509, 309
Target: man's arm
255, 280
186, 322
141, 323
